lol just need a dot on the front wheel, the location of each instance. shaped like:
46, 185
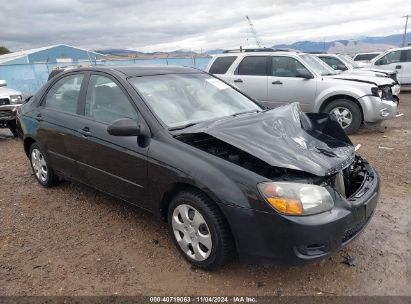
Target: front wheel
347, 112
199, 230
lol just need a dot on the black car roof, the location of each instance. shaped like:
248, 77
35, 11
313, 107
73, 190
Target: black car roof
144, 70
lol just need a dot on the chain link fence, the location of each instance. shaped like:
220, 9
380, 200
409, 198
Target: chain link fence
28, 78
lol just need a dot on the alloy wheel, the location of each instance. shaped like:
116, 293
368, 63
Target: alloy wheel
343, 115
191, 232
39, 165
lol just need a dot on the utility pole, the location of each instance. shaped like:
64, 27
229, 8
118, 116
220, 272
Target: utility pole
404, 38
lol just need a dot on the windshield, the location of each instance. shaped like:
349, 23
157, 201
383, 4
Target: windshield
181, 100
317, 65
348, 60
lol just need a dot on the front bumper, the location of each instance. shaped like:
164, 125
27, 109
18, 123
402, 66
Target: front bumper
376, 109
396, 90
270, 238
8, 112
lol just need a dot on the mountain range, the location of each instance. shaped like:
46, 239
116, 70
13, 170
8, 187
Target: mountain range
362, 44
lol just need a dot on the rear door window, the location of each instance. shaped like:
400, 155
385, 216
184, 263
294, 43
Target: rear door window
222, 64
253, 65
408, 56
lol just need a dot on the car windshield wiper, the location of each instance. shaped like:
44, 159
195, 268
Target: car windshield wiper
246, 112
183, 126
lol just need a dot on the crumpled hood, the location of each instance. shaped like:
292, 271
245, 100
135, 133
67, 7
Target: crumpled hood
364, 73
286, 137
7, 92
376, 80
386, 72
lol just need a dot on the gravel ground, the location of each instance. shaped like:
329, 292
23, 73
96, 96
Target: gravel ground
72, 240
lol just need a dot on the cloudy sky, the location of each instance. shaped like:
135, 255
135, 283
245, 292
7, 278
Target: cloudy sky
167, 25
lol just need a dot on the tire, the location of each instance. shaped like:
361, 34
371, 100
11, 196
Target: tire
42, 171
13, 128
347, 112
208, 245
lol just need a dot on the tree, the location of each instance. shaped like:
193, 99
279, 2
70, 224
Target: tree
4, 50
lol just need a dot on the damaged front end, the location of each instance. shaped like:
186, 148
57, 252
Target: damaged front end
284, 145
322, 195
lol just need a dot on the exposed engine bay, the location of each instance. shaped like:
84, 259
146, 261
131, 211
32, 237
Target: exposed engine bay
284, 144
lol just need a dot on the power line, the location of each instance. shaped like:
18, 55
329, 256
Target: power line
404, 37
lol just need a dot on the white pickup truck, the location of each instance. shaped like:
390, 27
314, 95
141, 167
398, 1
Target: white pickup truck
10, 101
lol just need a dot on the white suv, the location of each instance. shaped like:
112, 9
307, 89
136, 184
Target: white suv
277, 78
395, 59
345, 65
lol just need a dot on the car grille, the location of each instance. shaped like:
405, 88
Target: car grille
4, 101
351, 232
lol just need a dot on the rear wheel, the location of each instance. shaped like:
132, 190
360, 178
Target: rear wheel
41, 169
199, 230
347, 112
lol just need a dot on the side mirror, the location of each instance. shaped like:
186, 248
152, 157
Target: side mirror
3, 83
304, 73
125, 127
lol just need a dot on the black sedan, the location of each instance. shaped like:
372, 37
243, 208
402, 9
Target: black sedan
229, 177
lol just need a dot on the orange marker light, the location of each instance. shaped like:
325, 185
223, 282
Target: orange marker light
286, 206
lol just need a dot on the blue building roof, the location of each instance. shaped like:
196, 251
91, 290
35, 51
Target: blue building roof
51, 54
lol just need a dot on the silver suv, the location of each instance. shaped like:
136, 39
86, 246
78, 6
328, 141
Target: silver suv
275, 78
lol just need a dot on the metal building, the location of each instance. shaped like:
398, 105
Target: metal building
59, 53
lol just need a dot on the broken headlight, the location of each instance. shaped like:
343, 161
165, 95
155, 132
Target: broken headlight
295, 198
16, 99
384, 92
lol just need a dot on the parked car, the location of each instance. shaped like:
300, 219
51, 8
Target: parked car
10, 101
364, 58
274, 186
278, 78
398, 59
346, 65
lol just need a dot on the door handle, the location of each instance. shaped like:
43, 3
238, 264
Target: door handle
39, 117
277, 82
398, 67
238, 80
85, 131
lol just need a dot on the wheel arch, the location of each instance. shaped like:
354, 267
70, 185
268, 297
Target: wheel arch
174, 190
330, 99
28, 141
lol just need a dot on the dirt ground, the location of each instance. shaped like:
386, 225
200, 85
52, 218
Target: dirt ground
72, 240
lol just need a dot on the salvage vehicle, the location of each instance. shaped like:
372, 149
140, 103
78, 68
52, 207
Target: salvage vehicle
276, 78
230, 177
10, 101
347, 66
364, 58
398, 59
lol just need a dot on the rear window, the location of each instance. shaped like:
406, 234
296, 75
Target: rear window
361, 57
222, 64
253, 65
